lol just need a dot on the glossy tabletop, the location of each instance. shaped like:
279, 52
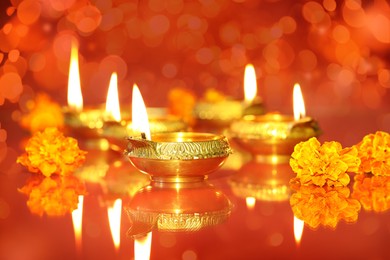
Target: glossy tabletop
221, 222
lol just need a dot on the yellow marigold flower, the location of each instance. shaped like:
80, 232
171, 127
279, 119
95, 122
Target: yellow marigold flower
373, 192
181, 103
374, 153
42, 113
323, 164
324, 206
213, 95
54, 196
50, 152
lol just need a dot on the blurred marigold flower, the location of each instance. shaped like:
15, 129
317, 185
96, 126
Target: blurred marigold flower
374, 153
323, 164
42, 113
181, 103
324, 206
54, 196
50, 152
213, 95
373, 192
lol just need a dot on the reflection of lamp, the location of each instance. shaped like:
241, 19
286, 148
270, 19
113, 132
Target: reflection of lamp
177, 207
114, 213
269, 182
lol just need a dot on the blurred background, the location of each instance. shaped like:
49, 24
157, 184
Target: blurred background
339, 51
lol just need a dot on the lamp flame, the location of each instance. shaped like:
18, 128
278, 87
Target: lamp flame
77, 219
298, 230
139, 114
142, 247
114, 219
250, 202
298, 102
75, 97
250, 85
112, 101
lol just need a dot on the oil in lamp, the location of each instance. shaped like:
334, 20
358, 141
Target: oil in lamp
271, 137
176, 156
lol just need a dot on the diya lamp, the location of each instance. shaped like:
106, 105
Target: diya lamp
271, 137
262, 181
220, 114
83, 121
253, 104
176, 207
176, 156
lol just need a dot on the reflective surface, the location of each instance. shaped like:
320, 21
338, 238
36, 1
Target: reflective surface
249, 201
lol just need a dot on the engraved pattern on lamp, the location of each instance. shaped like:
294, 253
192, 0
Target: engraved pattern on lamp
186, 150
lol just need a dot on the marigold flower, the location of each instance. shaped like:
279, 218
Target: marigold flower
42, 113
323, 164
213, 95
181, 103
50, 152
373, 192
324, 206
374, 153
54, 196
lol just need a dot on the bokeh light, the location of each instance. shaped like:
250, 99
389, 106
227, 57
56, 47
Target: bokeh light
333, 48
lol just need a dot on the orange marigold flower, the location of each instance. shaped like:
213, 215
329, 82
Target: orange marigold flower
374, 153
181, 103
50, 152
54, 196
324, 205
42, 113
323, 164
213, 95
373, 192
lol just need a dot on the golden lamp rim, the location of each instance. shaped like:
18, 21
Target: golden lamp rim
179, 146
273, 127
275, 117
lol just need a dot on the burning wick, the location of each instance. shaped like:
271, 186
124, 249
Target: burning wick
139, 114
298, 102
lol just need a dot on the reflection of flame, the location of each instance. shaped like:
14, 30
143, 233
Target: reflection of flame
299, 104
250, 202
250, 86
75, 97
114, 219
298, 230
77, 219
112, 102
142, 247
139, 114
